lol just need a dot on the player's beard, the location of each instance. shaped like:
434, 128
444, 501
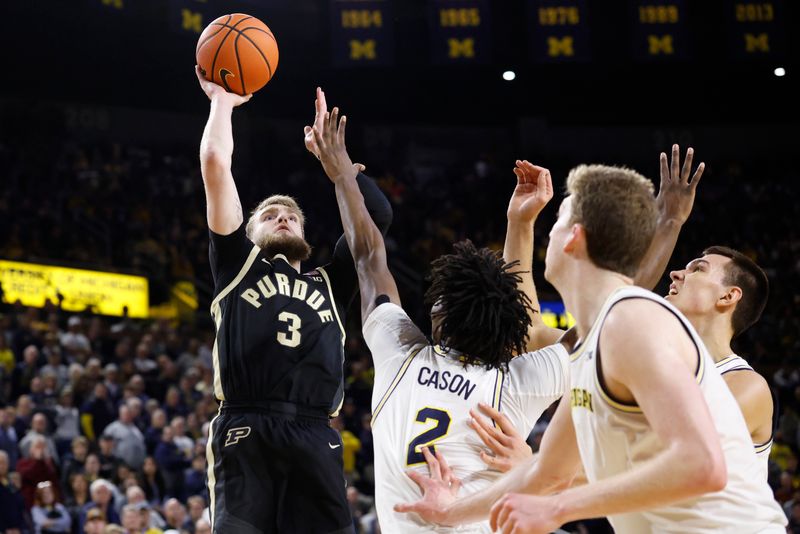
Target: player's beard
293, 247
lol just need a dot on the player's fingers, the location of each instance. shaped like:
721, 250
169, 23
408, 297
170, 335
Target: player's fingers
520, 175
698, 174
419, 479
341, 130
502, 516
494, 513
405, 507
360, 167
332, 123
433, 464
664, 169
501, 419
318, 138
676, 162
687, 166
447, 474
488, 439
493, 461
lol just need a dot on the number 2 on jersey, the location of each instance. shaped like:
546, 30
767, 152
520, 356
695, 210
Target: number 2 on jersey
292, 338
439, 431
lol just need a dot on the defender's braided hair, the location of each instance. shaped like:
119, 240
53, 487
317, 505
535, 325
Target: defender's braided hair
485, 315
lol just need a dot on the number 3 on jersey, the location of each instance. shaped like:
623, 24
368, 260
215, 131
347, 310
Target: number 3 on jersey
292, 337
442, 419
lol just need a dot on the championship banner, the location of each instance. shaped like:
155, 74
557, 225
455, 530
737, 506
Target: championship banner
361, 33
756, 29
189, 17
659, 30
104, 293
558, 30
555, 315
460, 31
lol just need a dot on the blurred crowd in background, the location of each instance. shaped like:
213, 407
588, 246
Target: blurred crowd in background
104, 420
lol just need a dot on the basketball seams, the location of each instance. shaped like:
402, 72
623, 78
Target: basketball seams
263, 56
239, 61
207, 39
216, 54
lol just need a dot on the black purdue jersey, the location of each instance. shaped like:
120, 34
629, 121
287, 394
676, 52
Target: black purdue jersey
280, 334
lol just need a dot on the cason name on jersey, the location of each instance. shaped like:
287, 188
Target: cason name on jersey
446, 381
266, 288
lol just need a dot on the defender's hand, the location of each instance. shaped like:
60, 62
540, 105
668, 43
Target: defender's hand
320, 111
332, 150
524, 514
214, 91
676, 193
534, 190
438, 490
507, 445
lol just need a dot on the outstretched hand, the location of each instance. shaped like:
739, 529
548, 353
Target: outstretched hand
215, 91
332, 152
534, 190
439, 489
320, 112
507, 445
676, 192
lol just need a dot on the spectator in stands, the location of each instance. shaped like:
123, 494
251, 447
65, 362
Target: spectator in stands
202, 526
197, 507
135, 495
111, 379
56, 367
195, 477
12, 520
143, 361
108, 461
173, 404
176, 516
68, 421
152, 437
8, 437
95, 522
22, 421
102, 494
184, 443
138, 416
172, 461
152, 481
25, 371
34, 467
97, 412
132, 519
128, 440
39, 430
91, 469
75, 341
75, 459
49, 516
78, 498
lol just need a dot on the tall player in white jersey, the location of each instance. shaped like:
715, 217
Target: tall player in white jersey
423, 393
650, 420
723, 293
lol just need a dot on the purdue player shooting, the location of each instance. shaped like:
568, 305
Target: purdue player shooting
423, 393
274, 463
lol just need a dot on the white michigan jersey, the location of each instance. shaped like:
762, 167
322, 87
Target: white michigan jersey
732, 363
614, 437
422, 396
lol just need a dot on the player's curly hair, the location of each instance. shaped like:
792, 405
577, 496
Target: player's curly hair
485, 314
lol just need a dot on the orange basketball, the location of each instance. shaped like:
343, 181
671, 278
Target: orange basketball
238, 52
